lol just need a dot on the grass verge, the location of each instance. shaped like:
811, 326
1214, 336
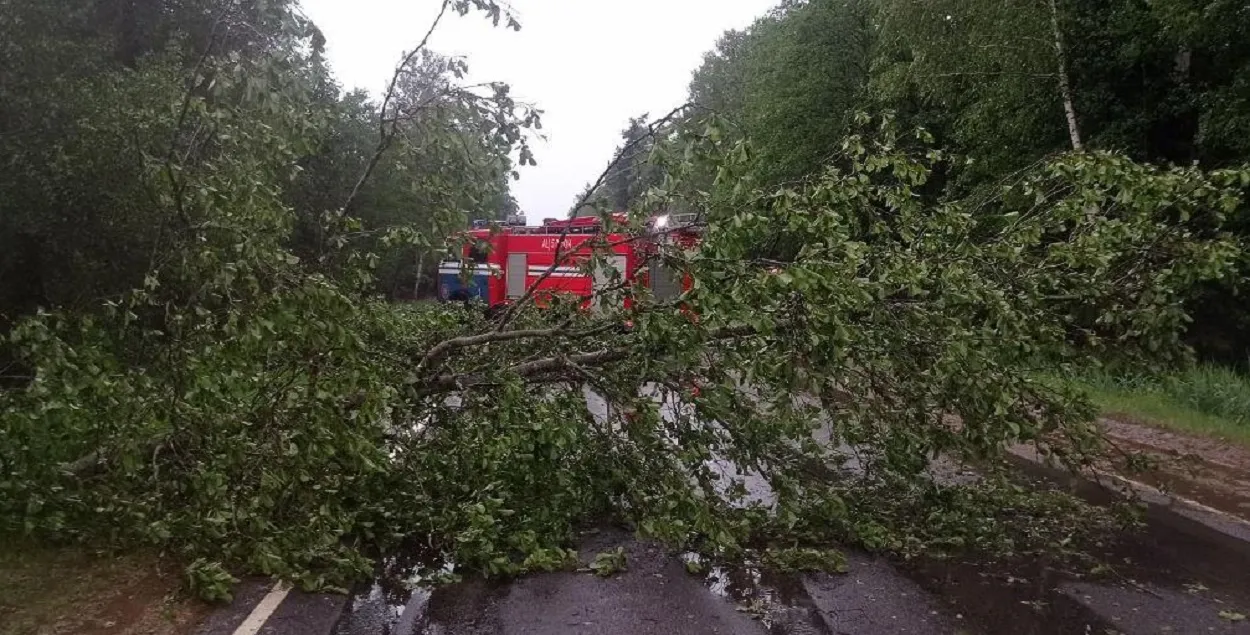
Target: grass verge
1206, 400
59, 591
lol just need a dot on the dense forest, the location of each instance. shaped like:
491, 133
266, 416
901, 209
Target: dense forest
1001, 85
913, 213
119, 115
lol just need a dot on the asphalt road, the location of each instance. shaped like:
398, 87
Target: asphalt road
657, 596
1164, 583
1171, 579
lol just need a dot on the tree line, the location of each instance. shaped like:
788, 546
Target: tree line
1002, 85
111, 107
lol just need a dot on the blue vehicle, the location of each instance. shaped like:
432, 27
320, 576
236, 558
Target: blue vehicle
458, 282
465, 277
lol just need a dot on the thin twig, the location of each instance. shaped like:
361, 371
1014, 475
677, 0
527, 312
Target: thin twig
175, 183
445, 348
387, 128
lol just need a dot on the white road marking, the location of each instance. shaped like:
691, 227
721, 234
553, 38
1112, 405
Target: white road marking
267, 605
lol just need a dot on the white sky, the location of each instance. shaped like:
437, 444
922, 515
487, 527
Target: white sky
590, 65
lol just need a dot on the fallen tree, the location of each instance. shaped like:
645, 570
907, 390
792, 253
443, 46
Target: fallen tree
251, 413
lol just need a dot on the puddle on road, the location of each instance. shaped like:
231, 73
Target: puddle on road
374, 611
777, 600
396, 602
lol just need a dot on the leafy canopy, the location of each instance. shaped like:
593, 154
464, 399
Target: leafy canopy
247, 400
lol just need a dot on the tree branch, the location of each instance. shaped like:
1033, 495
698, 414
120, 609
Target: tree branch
386, 127
176, 184
444, 348
451, 382
531, 369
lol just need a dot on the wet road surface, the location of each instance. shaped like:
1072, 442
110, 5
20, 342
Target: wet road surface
872, 598
657, 596
654, 595
1162, 581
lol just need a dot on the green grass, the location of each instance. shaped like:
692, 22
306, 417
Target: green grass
1206, 400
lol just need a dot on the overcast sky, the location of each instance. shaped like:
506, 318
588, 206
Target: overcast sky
588, 64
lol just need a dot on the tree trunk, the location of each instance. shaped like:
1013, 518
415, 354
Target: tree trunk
1065, 87
1182, 62
416, 285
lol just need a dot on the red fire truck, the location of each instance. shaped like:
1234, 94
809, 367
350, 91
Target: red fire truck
500, 262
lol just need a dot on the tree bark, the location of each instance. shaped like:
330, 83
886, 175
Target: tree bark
1065, 87
416, 285
1182, 63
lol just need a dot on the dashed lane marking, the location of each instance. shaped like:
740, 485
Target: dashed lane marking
267, 605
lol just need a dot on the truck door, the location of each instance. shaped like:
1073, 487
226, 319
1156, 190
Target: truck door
518, 270
604, 277
665, 284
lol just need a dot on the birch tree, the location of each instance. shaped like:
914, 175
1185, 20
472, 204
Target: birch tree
993, 76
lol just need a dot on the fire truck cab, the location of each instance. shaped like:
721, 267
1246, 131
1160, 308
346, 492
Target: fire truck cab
500, 262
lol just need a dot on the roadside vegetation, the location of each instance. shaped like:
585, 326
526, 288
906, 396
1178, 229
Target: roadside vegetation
62, 590
1206, 399
202, 357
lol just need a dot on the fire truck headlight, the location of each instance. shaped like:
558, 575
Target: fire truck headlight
661, 222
